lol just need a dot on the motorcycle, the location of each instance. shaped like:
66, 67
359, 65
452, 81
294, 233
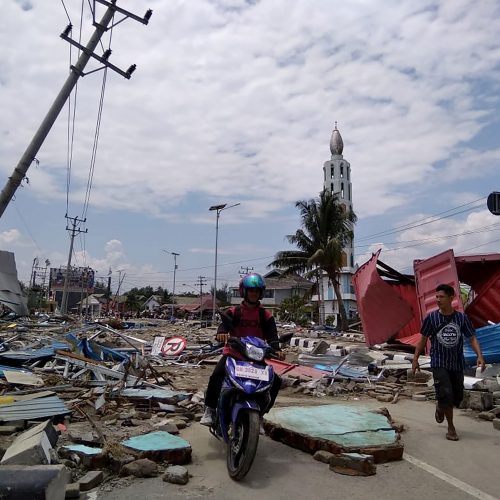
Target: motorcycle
243, 399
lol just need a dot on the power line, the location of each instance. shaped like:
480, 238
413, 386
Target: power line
66, 10
423, 222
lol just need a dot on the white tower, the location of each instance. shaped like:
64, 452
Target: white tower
337, 179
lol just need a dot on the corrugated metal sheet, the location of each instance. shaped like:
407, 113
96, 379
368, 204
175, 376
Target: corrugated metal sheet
489, 339
33, 409
430, 273
486, 306
382, 310
476, 270
409, 294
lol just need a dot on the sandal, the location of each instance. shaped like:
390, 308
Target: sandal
438, 416
451, 437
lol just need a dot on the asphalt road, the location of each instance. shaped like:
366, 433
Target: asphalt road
434, 468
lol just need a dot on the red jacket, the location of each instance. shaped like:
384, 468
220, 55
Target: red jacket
249, 325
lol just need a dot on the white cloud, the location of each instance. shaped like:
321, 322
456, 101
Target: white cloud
10, 237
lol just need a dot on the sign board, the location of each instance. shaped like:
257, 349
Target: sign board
157, 345
173, 346
493, 203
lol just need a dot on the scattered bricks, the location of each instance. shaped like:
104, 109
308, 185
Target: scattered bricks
92, 479
140, 468
180, 424
353, 464
419, 397
421, 377
197, 417
486, 415
176, 474
496, 411
323, 456
385, 398
496, 424
43, 482
73, 490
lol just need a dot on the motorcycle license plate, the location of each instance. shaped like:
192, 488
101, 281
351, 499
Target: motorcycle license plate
252, 372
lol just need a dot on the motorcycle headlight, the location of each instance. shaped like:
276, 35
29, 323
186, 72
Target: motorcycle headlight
255, 353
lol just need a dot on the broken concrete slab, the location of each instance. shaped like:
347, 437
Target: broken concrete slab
337, 429
159, 446
41, 482
84, 455
46, 427
353, 464
33, 450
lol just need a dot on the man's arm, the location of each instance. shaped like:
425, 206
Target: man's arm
419, 349
477, 349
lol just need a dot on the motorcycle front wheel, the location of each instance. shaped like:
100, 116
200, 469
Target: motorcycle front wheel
242, 444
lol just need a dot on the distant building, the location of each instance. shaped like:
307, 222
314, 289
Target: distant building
152, 304
80, 283
337, 179
278, 288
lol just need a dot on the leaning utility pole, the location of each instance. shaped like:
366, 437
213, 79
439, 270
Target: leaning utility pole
29, 155
75, 221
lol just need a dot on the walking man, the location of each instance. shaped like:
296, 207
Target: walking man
446, 329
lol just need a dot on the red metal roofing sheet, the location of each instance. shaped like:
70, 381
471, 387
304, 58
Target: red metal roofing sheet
408, 293
434, 271
486, 306
382, 310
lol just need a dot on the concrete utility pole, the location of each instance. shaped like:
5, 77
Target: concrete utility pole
74, 230
201, 282
19, 173
173, 287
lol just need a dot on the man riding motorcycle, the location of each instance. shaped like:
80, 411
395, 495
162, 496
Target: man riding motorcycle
248, 319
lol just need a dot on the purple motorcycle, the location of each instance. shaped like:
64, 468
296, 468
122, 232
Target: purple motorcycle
244, 398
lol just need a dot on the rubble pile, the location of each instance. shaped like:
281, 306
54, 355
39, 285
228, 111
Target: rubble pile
83, 405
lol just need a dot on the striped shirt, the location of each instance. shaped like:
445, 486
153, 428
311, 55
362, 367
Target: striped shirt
446, 333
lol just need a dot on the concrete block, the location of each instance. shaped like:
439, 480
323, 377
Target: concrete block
34, 450
496, 424
92, 479
353, 464
39, 482
73, 490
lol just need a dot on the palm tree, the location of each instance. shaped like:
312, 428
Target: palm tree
327, 227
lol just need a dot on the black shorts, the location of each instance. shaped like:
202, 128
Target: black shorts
449, 386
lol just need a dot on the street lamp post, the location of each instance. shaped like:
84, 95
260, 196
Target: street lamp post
218, 209
173, 287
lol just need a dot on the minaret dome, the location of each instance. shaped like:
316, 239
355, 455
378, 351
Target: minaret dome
336, 143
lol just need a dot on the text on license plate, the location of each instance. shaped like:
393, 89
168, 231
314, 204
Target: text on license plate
248, 371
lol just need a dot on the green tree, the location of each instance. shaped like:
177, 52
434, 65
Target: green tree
326, 227
222, 295
295, 309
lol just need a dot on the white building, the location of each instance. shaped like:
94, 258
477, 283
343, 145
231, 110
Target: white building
337, 179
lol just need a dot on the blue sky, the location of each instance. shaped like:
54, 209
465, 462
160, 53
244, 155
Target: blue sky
235, 102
